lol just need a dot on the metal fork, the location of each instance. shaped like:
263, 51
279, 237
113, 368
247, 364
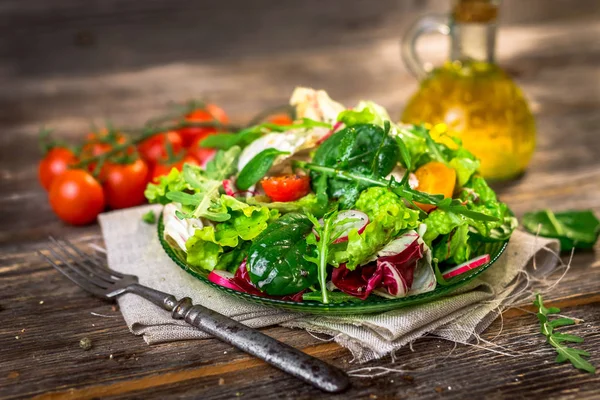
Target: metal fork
92, 274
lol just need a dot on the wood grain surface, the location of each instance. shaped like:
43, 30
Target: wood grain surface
70, 63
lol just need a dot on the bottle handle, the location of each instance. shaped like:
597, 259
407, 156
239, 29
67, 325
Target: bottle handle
427, 24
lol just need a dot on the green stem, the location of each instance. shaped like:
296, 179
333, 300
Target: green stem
323, 255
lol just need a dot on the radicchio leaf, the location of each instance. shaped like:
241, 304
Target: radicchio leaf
359, 282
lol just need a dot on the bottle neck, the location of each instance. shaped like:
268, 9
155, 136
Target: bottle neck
473, 41
473, 30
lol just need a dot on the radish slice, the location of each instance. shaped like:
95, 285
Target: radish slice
355, 220
223, 278
467, 266
228, 186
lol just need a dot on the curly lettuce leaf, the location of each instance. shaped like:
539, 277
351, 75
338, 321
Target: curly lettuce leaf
245, 223
173, 182
479, 197
388, 216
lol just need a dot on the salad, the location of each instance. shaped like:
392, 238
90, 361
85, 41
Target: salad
340, 205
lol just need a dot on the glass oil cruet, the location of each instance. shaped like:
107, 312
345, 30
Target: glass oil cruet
469, 96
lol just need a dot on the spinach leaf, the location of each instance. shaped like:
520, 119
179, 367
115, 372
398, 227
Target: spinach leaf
365, 149
579, 229
276, 262
224, 164
257, 168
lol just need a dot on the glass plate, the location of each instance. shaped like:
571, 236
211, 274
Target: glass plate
373, 304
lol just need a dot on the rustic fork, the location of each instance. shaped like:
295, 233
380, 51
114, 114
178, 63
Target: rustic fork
91, 273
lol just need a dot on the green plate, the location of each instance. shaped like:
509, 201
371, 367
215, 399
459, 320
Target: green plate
372, 305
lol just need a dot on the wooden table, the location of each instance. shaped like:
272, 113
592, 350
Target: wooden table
125, 60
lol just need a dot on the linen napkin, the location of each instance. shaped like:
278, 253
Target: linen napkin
133, 247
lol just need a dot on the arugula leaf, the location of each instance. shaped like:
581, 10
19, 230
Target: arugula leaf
224, 164
257, 168
579, 229
326, 238
556, 339
402, 190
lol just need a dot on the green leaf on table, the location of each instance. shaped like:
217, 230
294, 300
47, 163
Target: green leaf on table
578, 229
557, 339
149, 217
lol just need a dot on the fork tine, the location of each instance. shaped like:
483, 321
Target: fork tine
77, 269
76, 278
101, 271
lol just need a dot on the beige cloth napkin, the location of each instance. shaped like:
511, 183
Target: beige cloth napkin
133, 247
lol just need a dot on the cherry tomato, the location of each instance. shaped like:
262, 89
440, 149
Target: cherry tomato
201, 154
210, 113
281, 119
163, 169
76, 197
124, 184
286, 187
54, 164
435, 178
154, 149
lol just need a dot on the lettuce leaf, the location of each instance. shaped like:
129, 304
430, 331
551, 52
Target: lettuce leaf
245, 223
388, 216
173, 182
481, 198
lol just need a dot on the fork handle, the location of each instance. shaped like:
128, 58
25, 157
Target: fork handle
288, 359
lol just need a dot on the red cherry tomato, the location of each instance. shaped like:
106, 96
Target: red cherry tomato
154, 149
76, 197
210, 113
281, 119
286, 187
201, 154
54, 164
124, 184
163, 169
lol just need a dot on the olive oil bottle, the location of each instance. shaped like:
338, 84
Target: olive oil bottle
470, 97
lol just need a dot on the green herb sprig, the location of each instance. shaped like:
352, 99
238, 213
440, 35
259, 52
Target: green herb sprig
557, 339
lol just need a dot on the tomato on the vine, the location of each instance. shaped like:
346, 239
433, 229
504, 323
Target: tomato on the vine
54, 164
98, 143
210, 113
124, 184
162, 169
201, 154
155, 149
76, 197
286, 187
